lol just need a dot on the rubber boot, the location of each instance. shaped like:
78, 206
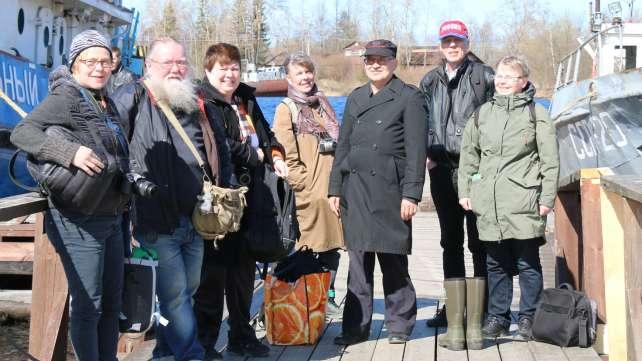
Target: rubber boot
475, 301
454, 339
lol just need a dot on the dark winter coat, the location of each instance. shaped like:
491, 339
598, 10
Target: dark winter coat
154, 156
65, 106
450, 104
380, 159
245, 160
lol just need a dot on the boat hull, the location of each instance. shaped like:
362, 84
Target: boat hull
270, 88
599, 124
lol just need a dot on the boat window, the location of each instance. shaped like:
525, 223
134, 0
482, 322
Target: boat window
61, 45
630, 56
46, 36
21, 20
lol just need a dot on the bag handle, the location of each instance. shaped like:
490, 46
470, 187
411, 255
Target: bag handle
567, 286
14, 179
171, 117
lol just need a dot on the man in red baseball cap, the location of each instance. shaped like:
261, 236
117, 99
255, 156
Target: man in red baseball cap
453, 91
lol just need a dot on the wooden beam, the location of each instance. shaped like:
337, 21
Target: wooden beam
21, 205
568, 232
593, 266
16, 268
16, 251
49, 315
614, 275
26, 230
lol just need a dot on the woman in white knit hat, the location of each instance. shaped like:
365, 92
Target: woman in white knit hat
74, 129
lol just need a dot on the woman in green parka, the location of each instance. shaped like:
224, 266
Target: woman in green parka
508, 174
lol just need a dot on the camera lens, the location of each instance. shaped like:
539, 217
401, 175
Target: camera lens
146, 188
244, 179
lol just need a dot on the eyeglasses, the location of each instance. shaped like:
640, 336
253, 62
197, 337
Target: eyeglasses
91, 63
508, 78
381, 60
168, 65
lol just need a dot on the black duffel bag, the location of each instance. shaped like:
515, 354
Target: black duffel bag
565, 317
271, 213
70, 187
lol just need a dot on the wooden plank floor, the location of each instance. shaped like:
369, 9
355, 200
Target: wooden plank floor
426, 273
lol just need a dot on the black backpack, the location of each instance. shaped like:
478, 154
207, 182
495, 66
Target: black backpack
565, 317
272, 219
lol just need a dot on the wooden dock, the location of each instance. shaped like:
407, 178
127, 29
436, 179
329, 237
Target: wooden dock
426, 273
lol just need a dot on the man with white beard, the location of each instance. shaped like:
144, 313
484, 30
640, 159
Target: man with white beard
163, 222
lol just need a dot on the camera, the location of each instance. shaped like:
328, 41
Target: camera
244, 177
327, 145
139, 185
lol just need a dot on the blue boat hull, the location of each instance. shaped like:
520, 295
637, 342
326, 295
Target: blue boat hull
26, 84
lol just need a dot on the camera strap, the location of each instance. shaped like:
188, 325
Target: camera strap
294, 114
171, 117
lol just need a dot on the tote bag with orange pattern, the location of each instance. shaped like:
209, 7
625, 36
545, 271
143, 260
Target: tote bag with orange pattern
295, 312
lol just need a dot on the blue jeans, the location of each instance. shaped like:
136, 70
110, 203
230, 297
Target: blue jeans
91, 252
180, 256
505, 259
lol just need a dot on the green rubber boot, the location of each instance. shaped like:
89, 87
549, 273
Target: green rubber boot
454, 339
475, 297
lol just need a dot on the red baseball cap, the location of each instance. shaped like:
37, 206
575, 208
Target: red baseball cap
454, 28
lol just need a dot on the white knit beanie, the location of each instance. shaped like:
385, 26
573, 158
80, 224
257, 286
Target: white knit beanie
85, 40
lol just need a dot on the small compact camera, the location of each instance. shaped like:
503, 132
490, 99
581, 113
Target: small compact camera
327, 145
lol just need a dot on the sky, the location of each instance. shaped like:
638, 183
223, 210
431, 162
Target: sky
439, 10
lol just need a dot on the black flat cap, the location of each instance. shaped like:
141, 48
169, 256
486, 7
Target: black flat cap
381, 47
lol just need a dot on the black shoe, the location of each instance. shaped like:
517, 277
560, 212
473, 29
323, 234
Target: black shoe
524, 330
396, 338
439, 320
212, 354
252, 348
347, 339
494, 328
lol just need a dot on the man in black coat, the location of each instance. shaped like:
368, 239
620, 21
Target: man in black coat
453, 92
376, 182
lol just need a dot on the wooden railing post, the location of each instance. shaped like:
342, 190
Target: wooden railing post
593, 269
621, 207
49, 305
568, 233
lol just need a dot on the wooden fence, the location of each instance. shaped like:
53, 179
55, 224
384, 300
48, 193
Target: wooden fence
598, 235
49, 304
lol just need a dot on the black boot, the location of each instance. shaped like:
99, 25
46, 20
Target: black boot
440, 319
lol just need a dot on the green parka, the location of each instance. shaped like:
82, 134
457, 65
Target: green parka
509, 165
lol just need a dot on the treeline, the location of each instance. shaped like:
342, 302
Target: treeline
265, 29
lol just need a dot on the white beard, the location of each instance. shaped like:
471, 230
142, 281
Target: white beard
179, 94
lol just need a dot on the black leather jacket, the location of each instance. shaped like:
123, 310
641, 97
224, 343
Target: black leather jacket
450, 105
118, 78
153, 155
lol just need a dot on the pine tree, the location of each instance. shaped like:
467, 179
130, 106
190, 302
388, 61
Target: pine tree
260, 40
170, 23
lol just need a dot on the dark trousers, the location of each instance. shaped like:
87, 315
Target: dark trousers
505, 259
227, 272
91, 252
443, 187
400, 296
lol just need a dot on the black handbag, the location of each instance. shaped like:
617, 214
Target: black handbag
565, 317
272, 221
69, 187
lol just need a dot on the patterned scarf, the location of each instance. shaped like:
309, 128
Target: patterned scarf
306, 123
